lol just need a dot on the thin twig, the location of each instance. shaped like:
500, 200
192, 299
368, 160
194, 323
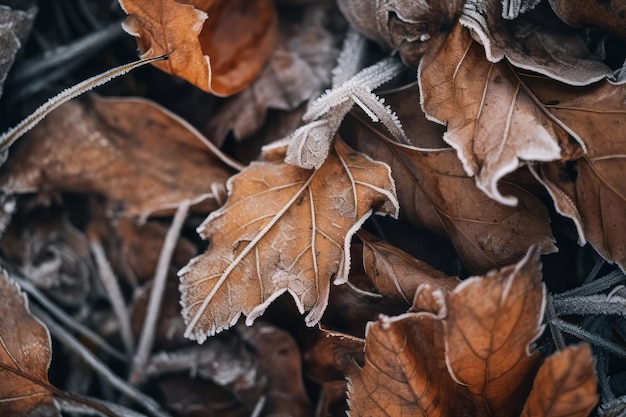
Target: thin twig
109, 280
100, 368
557, 336
609, 280
591, 304
7, 139
595, 339
71, 406
148, 333
594, 271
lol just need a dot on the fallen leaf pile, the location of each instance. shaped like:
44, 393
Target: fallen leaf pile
315, 209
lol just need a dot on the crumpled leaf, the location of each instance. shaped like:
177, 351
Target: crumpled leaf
219, 46
493, 122
468, 354
438, 194
589, 188
410, 27
491, 322
609, 15
25, 354
283, 229
405, 371
298, 69
396, 274
54, 255
555, 53
15, 27
130, 150
565, 385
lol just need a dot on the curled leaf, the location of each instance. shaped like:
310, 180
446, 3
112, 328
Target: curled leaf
219, 46
283, 229
609, 15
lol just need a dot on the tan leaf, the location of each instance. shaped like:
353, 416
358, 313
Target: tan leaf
396, 274
438, 194
283, 229
219, 46
143, 158
557, 53
565, 385
492, 121
405, 372
590, 189
609, 15
25, 354
490, 324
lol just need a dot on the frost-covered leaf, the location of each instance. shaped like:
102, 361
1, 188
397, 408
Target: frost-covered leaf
15, 27
565, 385
556, 53
491, 322
283, 229
493, 122
143, 158
439, 195
219, 46
25, 354
410, 27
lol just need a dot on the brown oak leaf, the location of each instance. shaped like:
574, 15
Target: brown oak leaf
219, 46
25, 354
493, 122
609, 15
283, 229
396, 274
590, 189
143, 158
438, 194
490, 324
565, 385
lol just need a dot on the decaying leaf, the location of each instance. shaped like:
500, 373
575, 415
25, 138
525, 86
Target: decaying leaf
491, 322
283, 229
405, 371
493, 122
590, 189
142, 158
558, 54
609, 15
25, 354
565, 385
15, 26
410, 27
438, 194
219, 46
298, 69
396, 274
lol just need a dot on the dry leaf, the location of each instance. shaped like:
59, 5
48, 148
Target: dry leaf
15, 26
490, 324
405, 372
565, 385
143, 158
590, 189
25, 354
396, 274
554, 52
410, 27
493, 122
438, 194
283, 229
299, 68
609, 15
219, 46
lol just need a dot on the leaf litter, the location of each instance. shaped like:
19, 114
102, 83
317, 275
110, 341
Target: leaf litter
489, 133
